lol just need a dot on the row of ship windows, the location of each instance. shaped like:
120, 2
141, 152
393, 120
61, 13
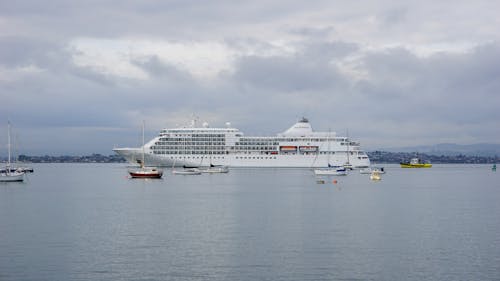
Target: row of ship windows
200, 147
197, 143
189, 152
237, 157
186, 137
208, 141
257, 143
221, 150
208, 147
197, 157
197, 132
256, 157
190, 137
253, 148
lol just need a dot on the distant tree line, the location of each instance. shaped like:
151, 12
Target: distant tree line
397, 157
94, 158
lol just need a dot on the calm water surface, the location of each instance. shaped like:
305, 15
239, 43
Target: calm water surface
90, 222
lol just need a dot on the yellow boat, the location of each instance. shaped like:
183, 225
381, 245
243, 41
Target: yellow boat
415, 163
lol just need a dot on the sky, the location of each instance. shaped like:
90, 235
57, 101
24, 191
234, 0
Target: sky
80, 77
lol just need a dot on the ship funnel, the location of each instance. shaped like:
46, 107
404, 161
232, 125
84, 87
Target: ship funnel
301, 128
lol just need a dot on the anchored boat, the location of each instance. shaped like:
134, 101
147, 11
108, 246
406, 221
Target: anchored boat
415, 163
7, 174
299, 146
143, 171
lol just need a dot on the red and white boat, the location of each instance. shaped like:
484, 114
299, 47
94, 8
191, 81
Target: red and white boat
145, 172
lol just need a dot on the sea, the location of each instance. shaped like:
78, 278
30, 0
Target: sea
92, 222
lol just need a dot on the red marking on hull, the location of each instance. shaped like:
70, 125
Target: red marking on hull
148, 176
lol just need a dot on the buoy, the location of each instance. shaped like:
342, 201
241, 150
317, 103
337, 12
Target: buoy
334, 181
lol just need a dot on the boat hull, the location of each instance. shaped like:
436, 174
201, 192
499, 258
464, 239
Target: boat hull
134, 156
187, 172
146, 174
420, 165
11, 177
330, 172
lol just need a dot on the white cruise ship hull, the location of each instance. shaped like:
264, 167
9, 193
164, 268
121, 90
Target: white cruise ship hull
134, 156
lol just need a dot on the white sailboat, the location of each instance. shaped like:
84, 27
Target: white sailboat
331, 170
187, 171
7, 175
347, 164
143, 171
214, 169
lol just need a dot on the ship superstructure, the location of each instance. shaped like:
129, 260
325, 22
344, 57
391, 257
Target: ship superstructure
299, 146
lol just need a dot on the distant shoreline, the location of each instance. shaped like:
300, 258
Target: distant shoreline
379, 157
93, 158
397, 157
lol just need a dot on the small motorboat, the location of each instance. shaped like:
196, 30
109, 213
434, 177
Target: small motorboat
415, 163
375, 176
380, 170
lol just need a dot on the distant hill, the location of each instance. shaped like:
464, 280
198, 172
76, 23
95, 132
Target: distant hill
450, 149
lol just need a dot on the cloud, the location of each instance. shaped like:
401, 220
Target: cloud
392, 73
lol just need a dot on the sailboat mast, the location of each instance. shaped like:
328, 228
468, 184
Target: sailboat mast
8, 143
348, 141
142, 160
329, 149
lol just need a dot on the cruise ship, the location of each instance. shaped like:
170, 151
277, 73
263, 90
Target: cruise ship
298, 147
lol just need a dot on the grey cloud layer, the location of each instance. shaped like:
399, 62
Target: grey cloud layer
396, 97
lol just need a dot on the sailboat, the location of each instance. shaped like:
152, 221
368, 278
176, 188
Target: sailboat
145, 172
214, 169
7, 175
187, 170
347, 164
331, 170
